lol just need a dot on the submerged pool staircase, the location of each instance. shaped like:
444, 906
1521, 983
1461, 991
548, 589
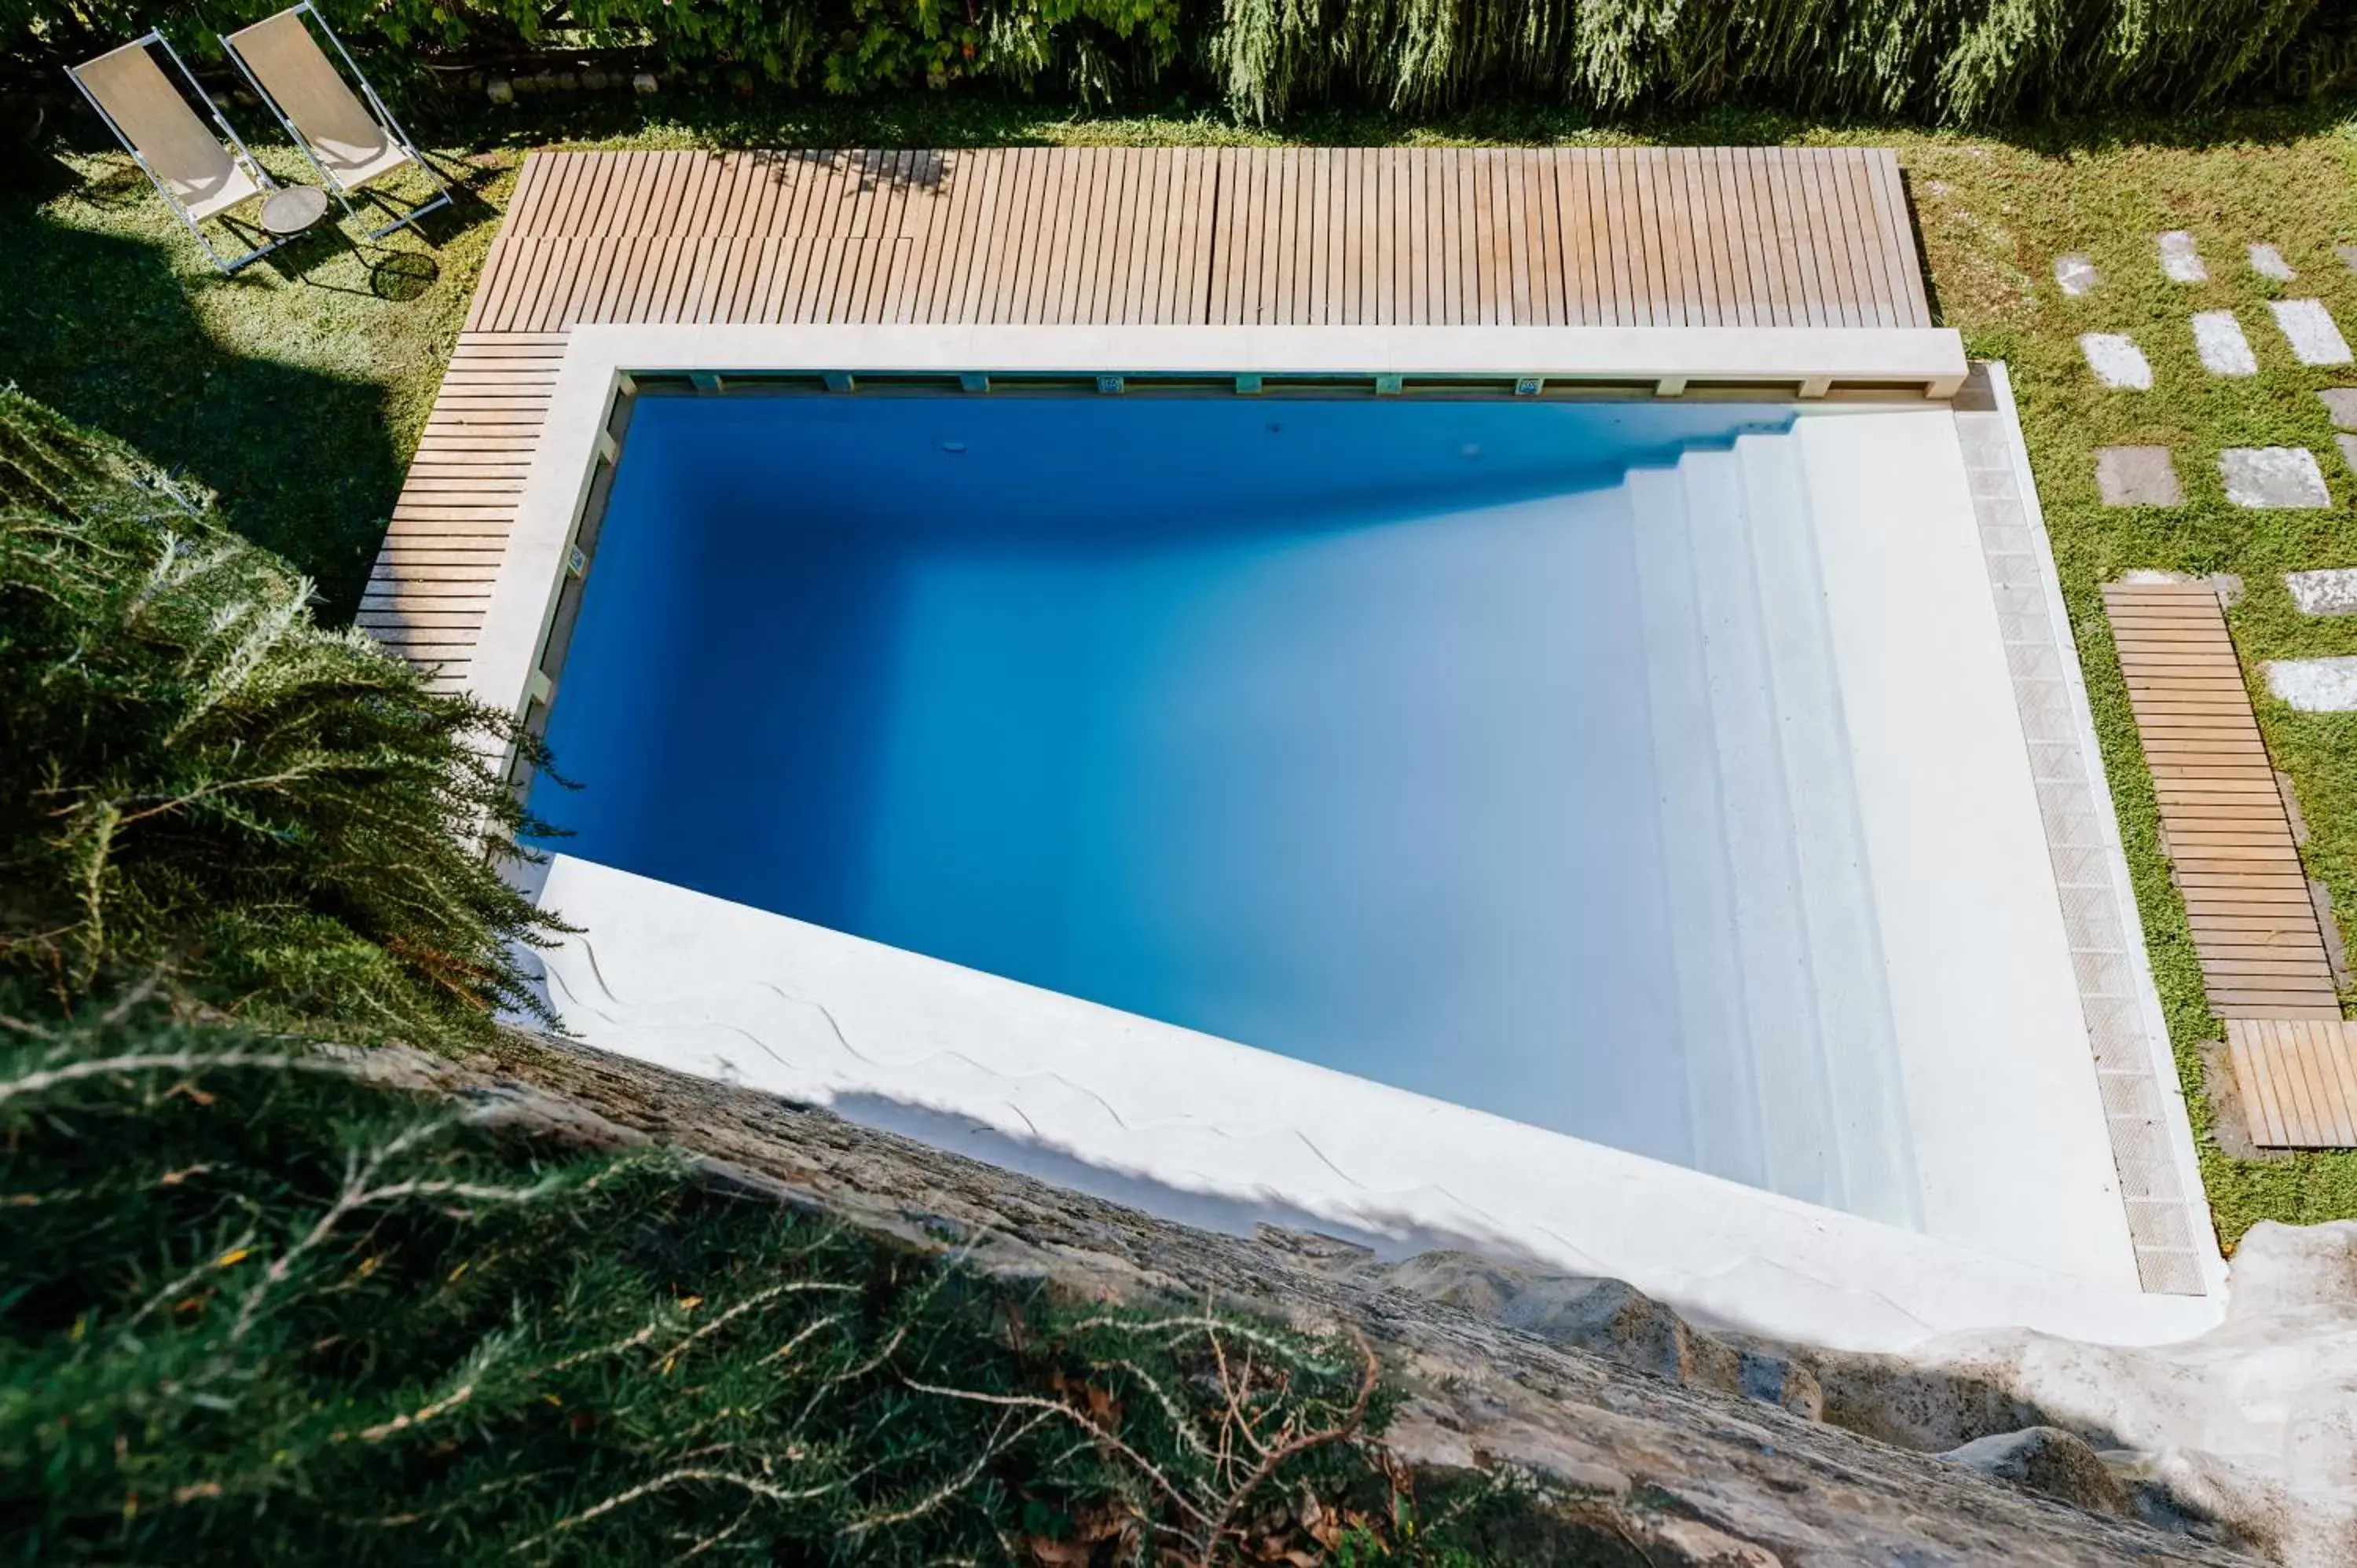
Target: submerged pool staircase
1792, 1071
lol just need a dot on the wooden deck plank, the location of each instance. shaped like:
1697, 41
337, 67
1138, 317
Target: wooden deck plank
1896, 231
2228, 836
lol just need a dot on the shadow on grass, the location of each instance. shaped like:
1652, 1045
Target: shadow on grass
104, 328
100, 327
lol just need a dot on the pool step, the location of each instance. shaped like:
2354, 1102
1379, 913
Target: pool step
1857, 1053
1723, 1103
1786, 1021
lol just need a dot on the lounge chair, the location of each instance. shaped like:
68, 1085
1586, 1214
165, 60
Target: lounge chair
191, 168
351, 144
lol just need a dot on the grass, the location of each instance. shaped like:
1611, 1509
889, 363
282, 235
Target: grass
1993, 217
316, 372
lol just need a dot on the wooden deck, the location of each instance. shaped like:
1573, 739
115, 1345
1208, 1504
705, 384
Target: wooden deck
2299, 1081
1689, 237
1651, 237
2255, 928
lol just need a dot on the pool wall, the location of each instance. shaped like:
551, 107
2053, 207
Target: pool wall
577, 447
2020, 1207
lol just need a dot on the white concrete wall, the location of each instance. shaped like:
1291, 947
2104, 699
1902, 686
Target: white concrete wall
1222, 1134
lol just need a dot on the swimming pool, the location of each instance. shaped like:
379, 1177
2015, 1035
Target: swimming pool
1490, 748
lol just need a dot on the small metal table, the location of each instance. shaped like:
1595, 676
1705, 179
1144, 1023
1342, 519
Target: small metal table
294, 208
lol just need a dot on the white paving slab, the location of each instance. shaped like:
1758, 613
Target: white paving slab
2075, 274
2179, 260
2116, 360
2315, 685
2274, 478
2330, 592
2340, 403
2308, 328
2268, 262
2348, 444
2224, 350
2136, 476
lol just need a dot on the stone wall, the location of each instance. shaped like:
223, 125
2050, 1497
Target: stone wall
1666, 1445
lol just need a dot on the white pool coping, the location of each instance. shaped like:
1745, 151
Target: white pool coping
2023, 1220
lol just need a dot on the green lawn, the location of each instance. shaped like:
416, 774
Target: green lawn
298, 389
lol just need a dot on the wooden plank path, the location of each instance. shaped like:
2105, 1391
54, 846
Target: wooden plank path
2299, 1079
2254, 927
1224, 236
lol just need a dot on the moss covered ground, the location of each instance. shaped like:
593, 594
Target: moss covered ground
297, 390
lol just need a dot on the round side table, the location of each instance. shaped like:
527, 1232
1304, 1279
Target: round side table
293, 209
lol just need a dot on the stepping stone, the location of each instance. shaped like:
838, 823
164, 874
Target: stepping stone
2268, 262
2332, 591
2315, 340
2076, 275
2224, 350
2347, 254
2137, 475
2179, 260
2315, 685
2116, 360
2340, 403
2348, 444
2227, 586
2274, 478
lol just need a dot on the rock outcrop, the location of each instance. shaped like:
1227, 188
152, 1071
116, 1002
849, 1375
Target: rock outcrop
1666, 1443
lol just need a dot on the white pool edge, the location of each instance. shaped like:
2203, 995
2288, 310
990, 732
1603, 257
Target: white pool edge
2174, 1124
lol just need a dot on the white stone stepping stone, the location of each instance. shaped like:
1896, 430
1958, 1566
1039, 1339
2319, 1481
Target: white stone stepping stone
2136, 476
2348, 444
2274, 478
2347, 254
2308, 328
2179, 260
2075, 274
2340, 403
2116, 360
2268, 262
2315, 685
2332, 591
2224, 350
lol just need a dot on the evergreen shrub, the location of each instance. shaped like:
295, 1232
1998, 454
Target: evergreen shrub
1939, 60
201, 783
259, 1310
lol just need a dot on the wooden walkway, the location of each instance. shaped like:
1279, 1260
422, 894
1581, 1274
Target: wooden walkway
2255, 928
1688, 237
1685, 237
2299, 1081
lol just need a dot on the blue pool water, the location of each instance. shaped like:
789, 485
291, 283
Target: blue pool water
1325, 726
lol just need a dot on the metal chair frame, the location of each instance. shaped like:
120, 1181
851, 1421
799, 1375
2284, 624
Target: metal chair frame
237, 144
376, 105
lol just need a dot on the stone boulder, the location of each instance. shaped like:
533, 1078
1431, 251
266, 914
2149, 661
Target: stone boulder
2049, 1461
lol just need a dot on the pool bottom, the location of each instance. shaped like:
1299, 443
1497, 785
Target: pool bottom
1348, 741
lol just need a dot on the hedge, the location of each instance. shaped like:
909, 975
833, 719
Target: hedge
1938, 61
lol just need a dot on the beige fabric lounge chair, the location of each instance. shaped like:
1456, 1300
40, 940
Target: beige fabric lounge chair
351, 143
201, 173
